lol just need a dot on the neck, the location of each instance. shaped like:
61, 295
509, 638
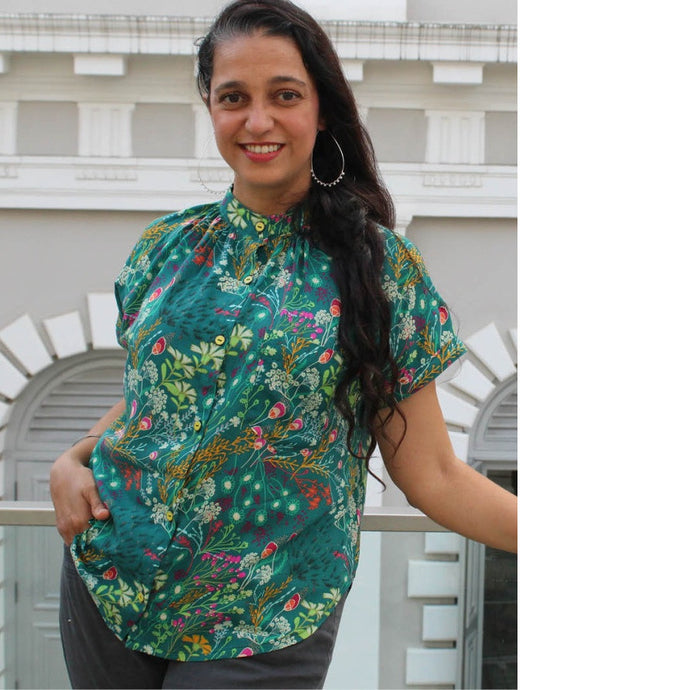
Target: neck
268, 203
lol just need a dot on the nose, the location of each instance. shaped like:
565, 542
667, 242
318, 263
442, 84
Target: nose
259, 119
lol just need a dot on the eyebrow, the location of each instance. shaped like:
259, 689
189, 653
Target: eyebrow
280, 79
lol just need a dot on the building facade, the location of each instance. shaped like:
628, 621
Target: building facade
101, 131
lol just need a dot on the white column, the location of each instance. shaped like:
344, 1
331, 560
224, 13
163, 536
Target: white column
105, 129
204, 138
455, 136
8, 128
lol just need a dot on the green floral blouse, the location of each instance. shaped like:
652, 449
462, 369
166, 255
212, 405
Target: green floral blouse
235, 503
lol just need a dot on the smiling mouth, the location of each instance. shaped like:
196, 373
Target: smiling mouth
262, 148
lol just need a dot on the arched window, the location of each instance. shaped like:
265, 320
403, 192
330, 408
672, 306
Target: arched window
56, 407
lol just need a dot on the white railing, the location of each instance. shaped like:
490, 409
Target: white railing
376, 519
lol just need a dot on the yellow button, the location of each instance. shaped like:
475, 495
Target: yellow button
260, 226
197, 425
248, 280
220, 340
169, 515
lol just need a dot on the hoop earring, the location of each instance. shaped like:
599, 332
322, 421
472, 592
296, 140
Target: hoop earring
342, 167
221, 175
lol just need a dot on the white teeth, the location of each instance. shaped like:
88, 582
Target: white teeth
262, 149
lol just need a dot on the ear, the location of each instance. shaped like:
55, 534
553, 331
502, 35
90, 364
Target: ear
321, 125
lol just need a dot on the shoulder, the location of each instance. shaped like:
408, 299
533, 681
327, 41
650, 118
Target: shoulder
169, 224
402, 261
162, 234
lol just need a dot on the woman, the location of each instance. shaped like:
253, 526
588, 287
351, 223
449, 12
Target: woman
273, 339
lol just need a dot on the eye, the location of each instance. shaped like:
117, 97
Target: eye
288, 96
231, 98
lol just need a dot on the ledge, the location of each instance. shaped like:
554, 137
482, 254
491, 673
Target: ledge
376, 519
362, 40
137, 184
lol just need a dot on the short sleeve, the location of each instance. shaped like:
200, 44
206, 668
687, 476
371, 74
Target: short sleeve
134, 280
423, 340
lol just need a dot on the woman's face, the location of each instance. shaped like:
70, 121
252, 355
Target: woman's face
265, 112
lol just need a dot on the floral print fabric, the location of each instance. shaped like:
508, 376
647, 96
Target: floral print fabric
235, 503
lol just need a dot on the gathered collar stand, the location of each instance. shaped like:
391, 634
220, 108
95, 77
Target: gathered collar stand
255, 226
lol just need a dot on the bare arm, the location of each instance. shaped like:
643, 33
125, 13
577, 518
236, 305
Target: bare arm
72, 486
436, 482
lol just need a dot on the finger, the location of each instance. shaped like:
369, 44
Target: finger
98, 509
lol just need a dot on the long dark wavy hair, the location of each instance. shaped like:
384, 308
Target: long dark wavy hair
343, 218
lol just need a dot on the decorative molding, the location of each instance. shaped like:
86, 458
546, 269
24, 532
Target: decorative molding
102, 317
457, 411
455, 137
24, 342
111, 173
431, 667
456, 180
434, 578
472, 382
448, 72
100, 65
488, 346
357, 40
209, 173
353, 70
447, 543
105, 129
4, 414
9, 172
54, 182
440, 623
12, 381
66, 333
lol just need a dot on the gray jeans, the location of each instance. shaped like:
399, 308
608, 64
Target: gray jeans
96, 658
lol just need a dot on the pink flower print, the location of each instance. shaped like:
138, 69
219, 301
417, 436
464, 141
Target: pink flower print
153, 455
158, 346
278, 410
247, 651
110, 574
292, 602
155, 294
145, 423
335, 307
133, 409
296, 424
259, 443
258, 431
305, 452
443, 313
333, 435
405, 376
270, 548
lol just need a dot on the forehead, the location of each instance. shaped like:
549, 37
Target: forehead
257, 57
